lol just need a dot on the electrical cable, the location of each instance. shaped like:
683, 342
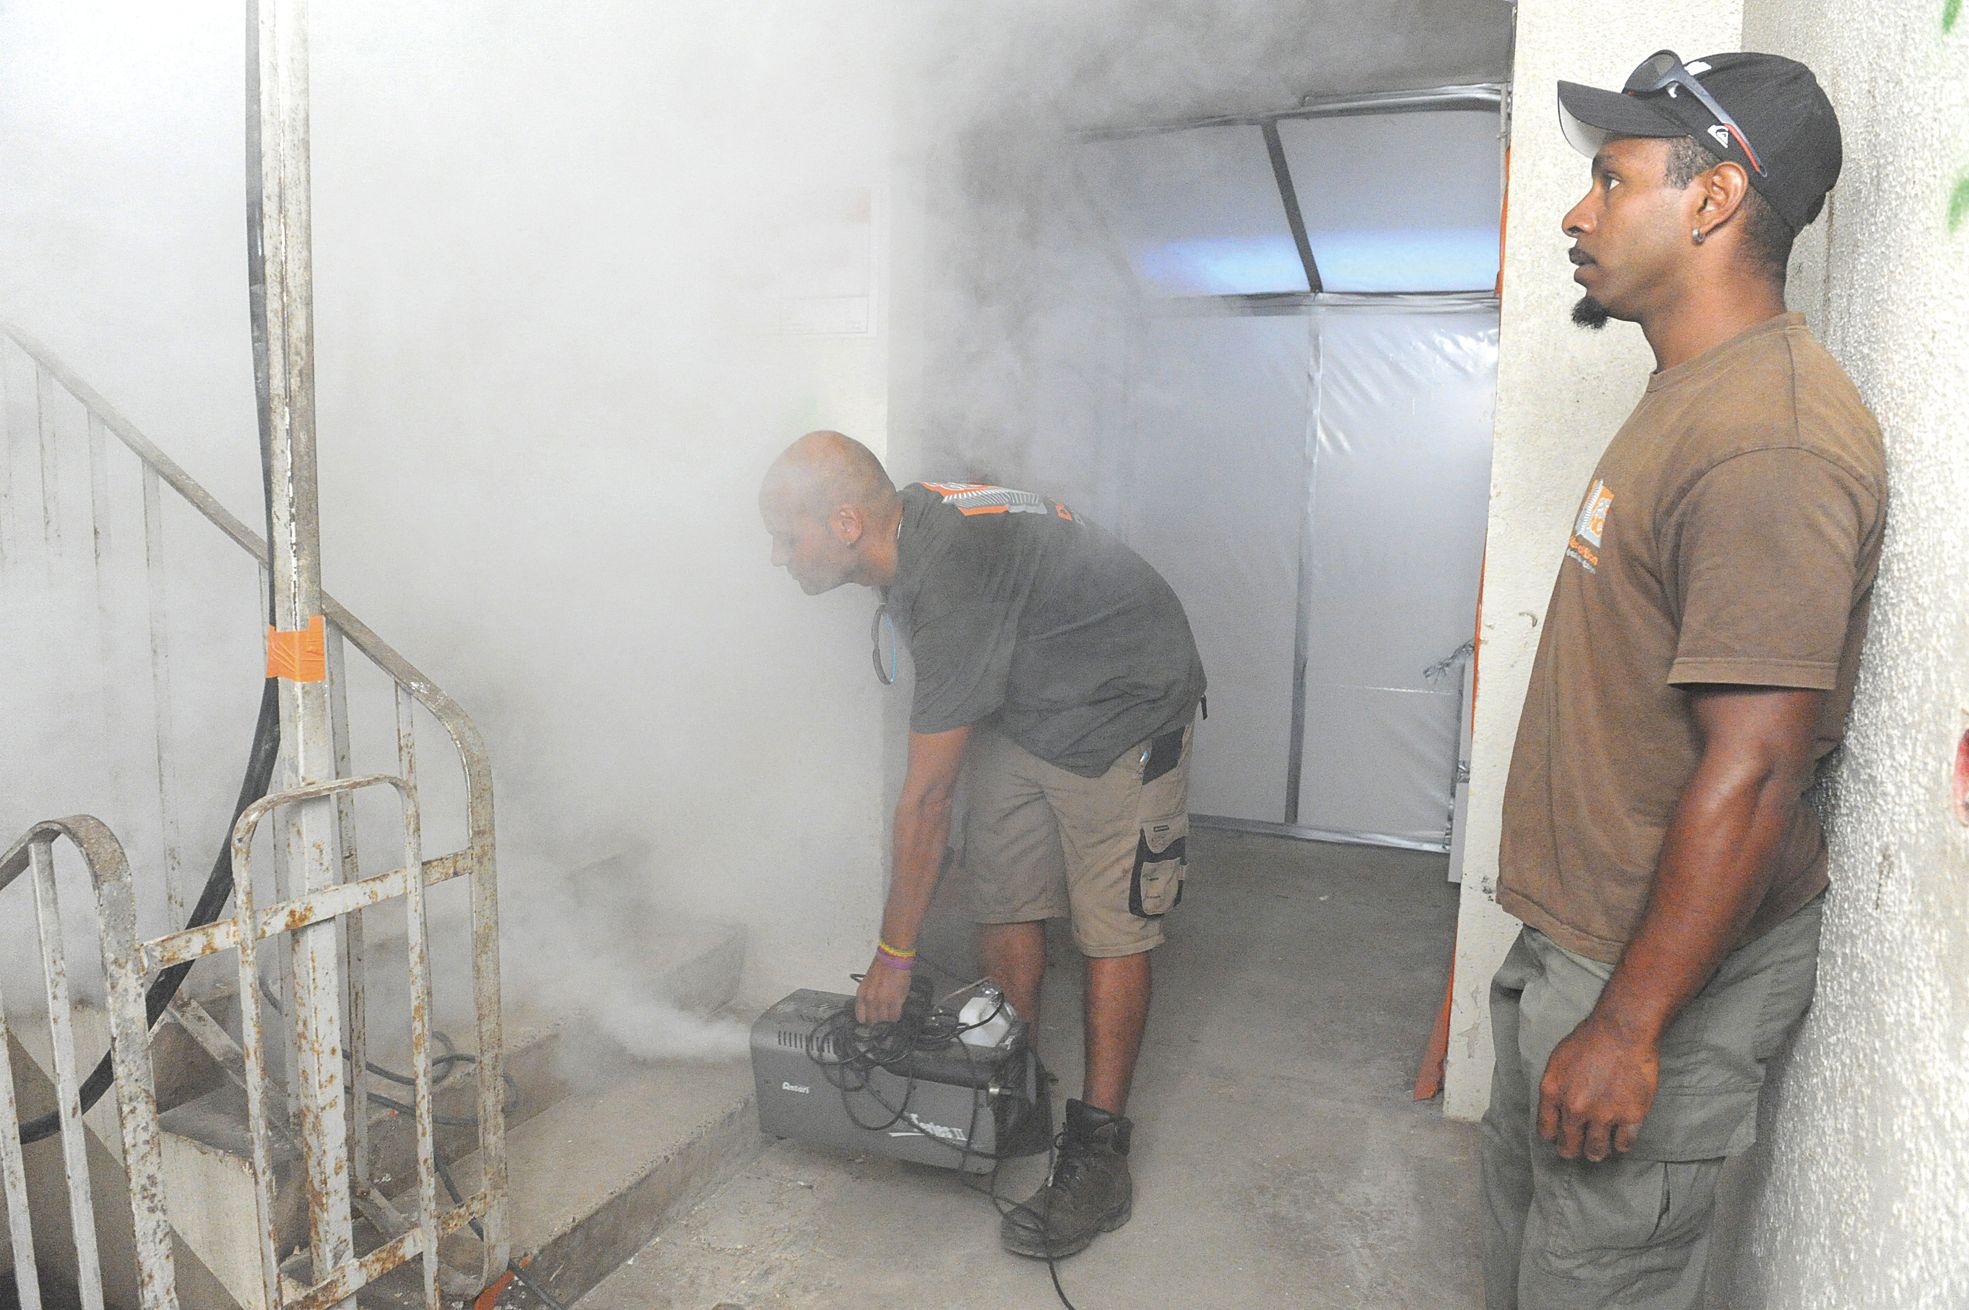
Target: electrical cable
211, 901
967, 1151
1041, 1078
1006, 1209
266, 743
990, 1190
848, 1053
439, 1065
510, 1105
513, 1267
450, 1057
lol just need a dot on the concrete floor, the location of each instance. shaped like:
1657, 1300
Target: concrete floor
1278, 1158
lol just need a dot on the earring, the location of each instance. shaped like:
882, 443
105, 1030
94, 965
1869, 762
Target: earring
1697, 235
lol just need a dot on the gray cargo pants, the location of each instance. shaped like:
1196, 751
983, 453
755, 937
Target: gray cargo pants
1632, 1230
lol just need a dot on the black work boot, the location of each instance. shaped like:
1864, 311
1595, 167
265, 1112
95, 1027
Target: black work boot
1089, 1193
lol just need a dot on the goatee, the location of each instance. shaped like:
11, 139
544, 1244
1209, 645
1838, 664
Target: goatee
1590, 313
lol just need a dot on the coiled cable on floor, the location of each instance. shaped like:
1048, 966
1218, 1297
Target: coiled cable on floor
440, 1063
848, 1053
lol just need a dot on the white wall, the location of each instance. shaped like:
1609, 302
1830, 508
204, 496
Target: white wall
1860, 1194
546, 242
1561, 393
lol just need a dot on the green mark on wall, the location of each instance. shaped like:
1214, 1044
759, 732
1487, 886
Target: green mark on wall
1958, 202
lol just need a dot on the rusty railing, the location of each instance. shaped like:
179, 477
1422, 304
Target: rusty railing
345, 1158
109, 873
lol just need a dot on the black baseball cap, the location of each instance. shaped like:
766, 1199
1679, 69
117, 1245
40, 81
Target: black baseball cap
1776, 120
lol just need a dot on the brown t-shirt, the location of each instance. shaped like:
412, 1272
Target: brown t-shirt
1729, 535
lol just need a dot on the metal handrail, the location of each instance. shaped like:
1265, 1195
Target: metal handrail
476, 858
116, 908
464, 733
335, 1286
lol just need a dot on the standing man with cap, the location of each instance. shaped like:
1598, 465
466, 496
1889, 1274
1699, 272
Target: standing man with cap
1057, 667
1695, 669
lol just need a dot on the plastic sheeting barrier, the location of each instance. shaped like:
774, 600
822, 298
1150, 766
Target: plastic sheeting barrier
1333, 463
1396, 521
1219, 419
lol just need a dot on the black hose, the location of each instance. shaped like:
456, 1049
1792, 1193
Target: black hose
513, 1267
211, 901
265, 752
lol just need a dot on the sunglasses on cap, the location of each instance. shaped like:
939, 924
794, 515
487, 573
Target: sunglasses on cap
1664, 71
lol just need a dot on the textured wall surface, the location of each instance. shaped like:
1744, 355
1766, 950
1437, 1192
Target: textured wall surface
1861, 1189
1561, 393
1858, 1194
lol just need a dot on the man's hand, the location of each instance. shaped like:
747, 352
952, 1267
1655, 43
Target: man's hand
1597, 1088
1714, 869
922, 826
881, 994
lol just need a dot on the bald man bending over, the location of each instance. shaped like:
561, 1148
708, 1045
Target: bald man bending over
1058, 669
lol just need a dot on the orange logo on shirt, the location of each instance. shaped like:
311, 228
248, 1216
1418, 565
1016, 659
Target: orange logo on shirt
1591, 526
974, 498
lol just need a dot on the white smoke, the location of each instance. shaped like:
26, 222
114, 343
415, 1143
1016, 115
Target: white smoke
554, 248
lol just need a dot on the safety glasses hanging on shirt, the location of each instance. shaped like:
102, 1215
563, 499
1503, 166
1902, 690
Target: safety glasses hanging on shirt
1663, 72
882, 640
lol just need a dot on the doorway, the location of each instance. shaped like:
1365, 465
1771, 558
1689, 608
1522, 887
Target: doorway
1300, 440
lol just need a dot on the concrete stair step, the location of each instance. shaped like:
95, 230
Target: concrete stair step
602, 1151
90, 1023
108, 1186
598, 1175
207, 1155
631, 1145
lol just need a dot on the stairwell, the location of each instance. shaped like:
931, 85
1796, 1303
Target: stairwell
595, 1152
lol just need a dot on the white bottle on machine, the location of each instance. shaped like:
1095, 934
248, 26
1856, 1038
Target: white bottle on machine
991, 1014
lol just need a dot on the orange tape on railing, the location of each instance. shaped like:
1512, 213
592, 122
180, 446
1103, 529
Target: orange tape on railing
298, 656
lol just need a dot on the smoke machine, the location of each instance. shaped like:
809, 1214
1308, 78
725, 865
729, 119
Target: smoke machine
958, 1089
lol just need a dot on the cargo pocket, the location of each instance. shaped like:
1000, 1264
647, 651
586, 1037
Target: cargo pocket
1161, 863
1624, 1230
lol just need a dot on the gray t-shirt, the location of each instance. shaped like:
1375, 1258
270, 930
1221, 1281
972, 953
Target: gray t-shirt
1022, 615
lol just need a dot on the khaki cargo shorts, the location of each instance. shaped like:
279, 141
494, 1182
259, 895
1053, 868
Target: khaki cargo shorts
1109, 853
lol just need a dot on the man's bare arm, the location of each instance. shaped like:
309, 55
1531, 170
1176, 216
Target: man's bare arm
1715, 866
922, 828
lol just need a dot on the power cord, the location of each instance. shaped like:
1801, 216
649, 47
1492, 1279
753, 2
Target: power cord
1007, 1208
211, 901
440, 1064
848, 1053
513, 1267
